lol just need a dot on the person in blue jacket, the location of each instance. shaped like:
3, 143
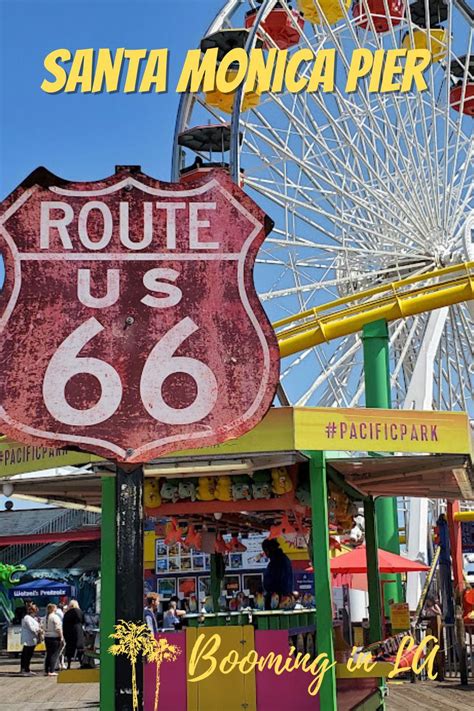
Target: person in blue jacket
278, 575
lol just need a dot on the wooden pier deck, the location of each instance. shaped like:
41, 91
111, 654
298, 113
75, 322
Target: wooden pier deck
39, 693
430, 696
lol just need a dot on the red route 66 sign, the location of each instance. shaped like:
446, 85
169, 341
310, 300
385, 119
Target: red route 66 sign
130, 326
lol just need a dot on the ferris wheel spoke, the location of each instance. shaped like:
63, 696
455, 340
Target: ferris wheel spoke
276, 197
340, 164
329, 370
326, 148
397, 147
343, 192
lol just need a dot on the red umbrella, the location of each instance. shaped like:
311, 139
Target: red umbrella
355, 562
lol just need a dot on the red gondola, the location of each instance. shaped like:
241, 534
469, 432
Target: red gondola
378, 12
456, 98
279, 26
462, 79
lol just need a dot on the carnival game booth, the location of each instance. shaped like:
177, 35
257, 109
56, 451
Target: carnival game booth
274, 480
315, 488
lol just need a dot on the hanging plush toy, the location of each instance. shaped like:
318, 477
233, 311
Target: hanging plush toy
192, 604
301, 529
220, 546
259, 601
341, 509
235, 545
169, 491
206, 488
187, 489
193, 539
224, 488
241, 487
151, 496
281, 481
262, 484
284, 528
303, 494
173, 533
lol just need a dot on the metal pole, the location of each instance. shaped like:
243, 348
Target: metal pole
454, 528
375, 588
373, 575
322, 575
377, 394
107, 593
129, 577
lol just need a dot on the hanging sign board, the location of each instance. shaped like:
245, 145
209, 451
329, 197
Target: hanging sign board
400, 616
130, 326
467, 536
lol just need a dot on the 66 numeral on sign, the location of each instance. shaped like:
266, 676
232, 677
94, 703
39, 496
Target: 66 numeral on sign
160, 364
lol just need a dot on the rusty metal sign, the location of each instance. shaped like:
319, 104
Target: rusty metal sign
130, 326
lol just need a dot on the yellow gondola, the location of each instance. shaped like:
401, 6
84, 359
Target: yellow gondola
331, 9
225, 102
421, 40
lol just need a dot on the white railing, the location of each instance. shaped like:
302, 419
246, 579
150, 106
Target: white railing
65, 521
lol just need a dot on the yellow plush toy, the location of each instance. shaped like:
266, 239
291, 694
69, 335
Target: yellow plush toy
151, 495
281, 481
206, 488
224, 488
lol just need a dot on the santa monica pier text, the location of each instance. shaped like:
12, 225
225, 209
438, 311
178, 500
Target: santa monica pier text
143, 71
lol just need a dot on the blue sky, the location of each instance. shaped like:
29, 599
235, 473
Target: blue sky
80, 136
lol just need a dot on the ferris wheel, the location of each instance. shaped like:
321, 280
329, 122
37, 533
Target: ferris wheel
365, 188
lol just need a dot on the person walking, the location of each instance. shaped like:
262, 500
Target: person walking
53, 639
73, 632
30, 633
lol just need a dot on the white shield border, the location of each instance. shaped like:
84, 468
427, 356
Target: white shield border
184, 437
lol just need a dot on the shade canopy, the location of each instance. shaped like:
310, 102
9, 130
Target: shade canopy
355, 562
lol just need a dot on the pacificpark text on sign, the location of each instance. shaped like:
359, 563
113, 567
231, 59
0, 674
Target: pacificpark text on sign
395, 431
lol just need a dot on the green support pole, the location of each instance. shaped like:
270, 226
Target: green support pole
107, 594
377, 394
322, 575
373, 580
373, 575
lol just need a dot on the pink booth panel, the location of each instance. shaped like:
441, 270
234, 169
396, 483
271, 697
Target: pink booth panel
290, 689
173, 696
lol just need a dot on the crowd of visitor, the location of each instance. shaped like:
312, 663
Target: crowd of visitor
62, 632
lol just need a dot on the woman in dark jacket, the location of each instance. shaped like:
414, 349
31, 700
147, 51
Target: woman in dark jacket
73, 632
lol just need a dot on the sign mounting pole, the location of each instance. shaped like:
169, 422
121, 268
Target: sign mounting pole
128, 575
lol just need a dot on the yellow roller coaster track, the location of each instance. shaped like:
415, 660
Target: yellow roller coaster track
407, 297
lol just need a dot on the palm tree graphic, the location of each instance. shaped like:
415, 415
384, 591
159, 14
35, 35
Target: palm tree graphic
158, 651
135, 639
132, 640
